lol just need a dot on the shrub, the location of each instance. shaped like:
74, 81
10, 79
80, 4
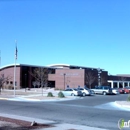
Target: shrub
128, 99
50, 94
60, 95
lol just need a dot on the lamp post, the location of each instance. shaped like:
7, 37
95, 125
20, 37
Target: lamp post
64, 81
25, 82
99, 76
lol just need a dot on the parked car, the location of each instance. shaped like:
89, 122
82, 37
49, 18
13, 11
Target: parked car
86, 91
115, 91
72, 92
128, 87
105, 90
121, 90
126, 90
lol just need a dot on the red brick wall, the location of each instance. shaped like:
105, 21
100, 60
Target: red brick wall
73, 78
10, 73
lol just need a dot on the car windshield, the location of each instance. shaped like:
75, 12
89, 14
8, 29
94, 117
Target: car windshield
86, 88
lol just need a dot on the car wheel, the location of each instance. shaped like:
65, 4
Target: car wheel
104, 93
72, 94
84, 94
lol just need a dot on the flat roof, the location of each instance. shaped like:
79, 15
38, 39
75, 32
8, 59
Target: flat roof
68, 65
50, 66
11, 65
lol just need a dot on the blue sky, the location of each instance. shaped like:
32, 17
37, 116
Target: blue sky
92, 33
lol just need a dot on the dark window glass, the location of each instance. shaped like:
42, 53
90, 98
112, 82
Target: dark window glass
11, 82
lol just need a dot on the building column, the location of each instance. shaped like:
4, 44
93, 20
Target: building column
118, 84
111, 84
123, 84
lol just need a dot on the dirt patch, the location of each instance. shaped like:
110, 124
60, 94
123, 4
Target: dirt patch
14, 124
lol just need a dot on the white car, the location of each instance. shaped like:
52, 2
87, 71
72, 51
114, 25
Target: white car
115, 91
86, 91
72, 92
105, 90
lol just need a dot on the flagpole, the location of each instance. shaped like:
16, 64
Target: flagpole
15, 66
0, 61
0, 58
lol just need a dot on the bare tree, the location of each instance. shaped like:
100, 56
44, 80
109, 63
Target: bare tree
89, 78
3, 80
41, 76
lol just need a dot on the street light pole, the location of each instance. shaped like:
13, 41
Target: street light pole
25, 82
99, 76
64, 81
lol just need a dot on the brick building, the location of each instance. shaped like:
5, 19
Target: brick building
60, 76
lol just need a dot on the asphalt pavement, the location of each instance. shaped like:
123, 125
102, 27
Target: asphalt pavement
92, 112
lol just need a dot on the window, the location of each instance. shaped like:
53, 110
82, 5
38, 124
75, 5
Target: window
15, 83
7, 82
81, 89
11, 82
70, 90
